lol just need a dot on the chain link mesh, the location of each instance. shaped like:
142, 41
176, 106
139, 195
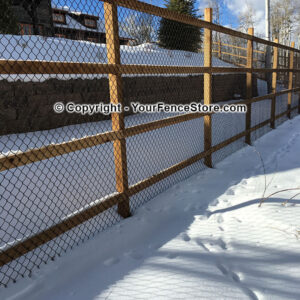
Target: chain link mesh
64, 177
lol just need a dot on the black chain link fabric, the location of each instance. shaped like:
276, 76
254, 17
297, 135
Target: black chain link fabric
66, 176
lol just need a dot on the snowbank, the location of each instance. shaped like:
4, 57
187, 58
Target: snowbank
15, 47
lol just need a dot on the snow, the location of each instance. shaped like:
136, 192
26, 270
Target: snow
15, 47
204, 238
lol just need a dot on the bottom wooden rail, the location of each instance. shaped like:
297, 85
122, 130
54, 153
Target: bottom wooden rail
54, 231
169, 171
285, 112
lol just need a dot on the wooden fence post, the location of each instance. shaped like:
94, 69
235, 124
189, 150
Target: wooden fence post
274, 84
220, 49
286, 65
207, 85
291, 75
249, 84
116, 97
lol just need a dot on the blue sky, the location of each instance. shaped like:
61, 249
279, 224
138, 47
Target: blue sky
95, 7
227, 18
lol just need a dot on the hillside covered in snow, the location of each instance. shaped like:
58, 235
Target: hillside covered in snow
65, 50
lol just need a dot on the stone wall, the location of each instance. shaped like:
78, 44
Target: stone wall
28, 106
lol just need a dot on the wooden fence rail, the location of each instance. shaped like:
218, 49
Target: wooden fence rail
119, 132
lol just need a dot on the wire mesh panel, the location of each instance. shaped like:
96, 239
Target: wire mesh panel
82, 140
53, 165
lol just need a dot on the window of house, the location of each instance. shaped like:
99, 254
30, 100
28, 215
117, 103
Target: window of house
26, 29
59, 18
90, 22
91, 39
60, 35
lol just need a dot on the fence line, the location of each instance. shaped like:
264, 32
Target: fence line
119, 132
219, 52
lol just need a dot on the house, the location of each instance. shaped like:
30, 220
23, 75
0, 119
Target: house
40, 18
81, 26
77, 26
34, 17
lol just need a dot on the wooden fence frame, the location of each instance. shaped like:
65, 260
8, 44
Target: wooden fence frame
220, 52
119, 133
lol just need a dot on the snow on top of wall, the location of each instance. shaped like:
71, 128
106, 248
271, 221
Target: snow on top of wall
37, 48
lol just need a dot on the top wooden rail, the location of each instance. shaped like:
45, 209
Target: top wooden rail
172, 15
237, 47
8, 67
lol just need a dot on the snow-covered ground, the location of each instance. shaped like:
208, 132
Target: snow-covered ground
204, 238
65, 50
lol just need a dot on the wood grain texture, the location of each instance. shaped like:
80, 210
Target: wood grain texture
274, 85
116, 97
291, 79
207, 88
249, 84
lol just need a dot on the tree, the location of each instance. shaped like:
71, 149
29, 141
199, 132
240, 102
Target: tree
140, 28
247, 18
217, 7
8, 22
284, 23
176, 35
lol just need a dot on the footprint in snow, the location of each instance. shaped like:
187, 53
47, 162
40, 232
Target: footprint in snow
216, 245
230, 192
214, 202
185, 237
222, 244
244, 182
222, 269
111, 261
237, 219
228, 273
220, 219
172, 255
235, 277
134, 255
199, 243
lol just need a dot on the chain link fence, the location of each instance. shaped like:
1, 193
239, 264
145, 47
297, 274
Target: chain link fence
67, 175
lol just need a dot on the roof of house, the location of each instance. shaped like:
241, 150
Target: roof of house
71, 23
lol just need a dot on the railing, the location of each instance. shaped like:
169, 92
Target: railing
236, 54
120, 133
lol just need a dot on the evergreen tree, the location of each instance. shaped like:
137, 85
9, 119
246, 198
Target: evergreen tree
8, 22
176, 35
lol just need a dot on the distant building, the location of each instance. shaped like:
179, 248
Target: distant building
81, 26
45, 20
34, 17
